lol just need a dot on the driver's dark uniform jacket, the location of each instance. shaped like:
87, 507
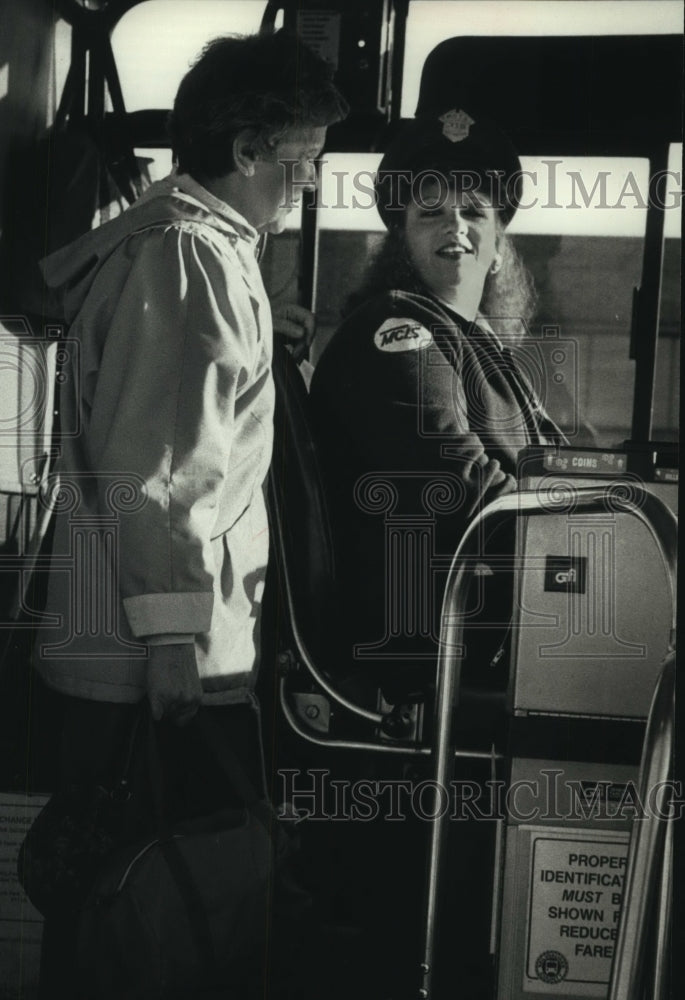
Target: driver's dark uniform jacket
417, 412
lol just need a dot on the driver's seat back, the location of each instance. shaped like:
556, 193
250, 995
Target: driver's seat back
301, 532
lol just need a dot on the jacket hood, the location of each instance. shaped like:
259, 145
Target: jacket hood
71, 270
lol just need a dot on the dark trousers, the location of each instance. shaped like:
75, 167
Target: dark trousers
93, 749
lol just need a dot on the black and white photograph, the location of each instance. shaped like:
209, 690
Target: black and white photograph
339, 450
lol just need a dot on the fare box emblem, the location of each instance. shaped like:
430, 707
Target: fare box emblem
551, 967
566, 574
575, 899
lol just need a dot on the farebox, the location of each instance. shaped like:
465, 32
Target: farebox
592, 604
592, 624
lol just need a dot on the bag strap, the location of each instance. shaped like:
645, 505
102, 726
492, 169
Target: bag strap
198, 918
229, 764
258, 804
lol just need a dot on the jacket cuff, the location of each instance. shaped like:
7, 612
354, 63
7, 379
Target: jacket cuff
170, 639
156, 614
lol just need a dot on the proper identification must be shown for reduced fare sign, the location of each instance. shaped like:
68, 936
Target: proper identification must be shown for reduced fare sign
576, 887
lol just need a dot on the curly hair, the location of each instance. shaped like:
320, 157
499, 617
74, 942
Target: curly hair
508, 295
265, 83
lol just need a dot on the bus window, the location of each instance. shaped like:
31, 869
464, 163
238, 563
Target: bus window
60, 63
585, 254
350, 230
176, 31
667, 382
580, 230
172, 32
430, 22
158, 160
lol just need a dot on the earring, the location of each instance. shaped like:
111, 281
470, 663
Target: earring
496, 264
248, 169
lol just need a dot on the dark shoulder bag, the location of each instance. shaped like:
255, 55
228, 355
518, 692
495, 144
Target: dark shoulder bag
191, 908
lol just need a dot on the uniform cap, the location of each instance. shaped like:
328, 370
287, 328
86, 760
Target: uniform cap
453, 145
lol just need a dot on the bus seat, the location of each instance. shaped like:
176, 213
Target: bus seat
304, 558
297, 502
303, 552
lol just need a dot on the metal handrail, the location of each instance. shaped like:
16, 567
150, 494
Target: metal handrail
647, 881
293, 620
614, 498
663, 931
406, 749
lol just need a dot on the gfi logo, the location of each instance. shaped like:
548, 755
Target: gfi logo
566, 573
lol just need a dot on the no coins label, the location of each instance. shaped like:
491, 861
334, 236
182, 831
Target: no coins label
575, 897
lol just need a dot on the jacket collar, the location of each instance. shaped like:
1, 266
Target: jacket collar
187, 189
177, 198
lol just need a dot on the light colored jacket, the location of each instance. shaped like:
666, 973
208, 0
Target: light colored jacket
161, 531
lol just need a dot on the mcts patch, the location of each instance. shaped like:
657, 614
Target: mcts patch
401, 335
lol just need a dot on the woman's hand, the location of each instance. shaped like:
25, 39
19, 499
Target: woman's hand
297, 325
173, 683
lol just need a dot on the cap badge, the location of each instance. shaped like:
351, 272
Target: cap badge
456, 125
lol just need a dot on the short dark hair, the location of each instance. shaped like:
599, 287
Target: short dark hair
268, 83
